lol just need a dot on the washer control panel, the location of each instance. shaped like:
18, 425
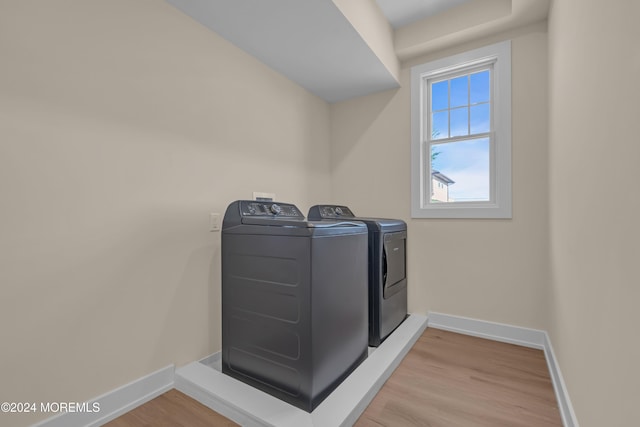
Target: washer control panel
332, 212
270, 209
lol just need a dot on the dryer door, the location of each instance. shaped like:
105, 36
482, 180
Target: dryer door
394, 262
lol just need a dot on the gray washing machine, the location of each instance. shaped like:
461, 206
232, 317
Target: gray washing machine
294, 300
387, 268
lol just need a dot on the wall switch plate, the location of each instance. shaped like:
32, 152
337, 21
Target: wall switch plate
264, 197
214, 222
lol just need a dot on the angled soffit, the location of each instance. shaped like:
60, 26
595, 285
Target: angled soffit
311, 42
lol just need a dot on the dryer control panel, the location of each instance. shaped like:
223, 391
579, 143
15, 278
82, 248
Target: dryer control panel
330, 212
269, 209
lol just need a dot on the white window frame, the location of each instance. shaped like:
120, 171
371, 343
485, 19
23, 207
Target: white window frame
499, 205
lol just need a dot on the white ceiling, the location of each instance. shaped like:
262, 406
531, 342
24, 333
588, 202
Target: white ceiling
403, 12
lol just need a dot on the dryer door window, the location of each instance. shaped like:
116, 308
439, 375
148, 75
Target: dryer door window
394, 262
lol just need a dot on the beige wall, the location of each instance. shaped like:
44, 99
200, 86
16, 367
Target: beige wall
494, 270
595, 241
122, 125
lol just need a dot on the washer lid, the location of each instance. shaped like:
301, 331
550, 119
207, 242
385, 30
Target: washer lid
339, 212
284, 222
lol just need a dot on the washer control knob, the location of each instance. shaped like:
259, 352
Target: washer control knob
275, 209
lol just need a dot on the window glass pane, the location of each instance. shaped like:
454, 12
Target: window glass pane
460, 122
440, 125
440, 95
459, 91
480, 118
463, 167
480, 87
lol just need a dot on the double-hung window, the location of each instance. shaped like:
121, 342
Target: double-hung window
461, 135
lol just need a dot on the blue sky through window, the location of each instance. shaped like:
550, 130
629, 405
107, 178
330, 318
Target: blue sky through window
466, 163
460, 108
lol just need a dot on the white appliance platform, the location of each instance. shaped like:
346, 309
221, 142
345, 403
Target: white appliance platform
248, 406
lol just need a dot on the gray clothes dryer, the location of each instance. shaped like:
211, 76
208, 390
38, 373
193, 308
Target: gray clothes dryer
294, 300
387, 268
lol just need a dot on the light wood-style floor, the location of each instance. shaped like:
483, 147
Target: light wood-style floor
447, 379
171, 409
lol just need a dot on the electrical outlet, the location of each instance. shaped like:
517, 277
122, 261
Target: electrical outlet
214, 222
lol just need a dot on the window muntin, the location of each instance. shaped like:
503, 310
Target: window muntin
460, 106
458, 133
461, 126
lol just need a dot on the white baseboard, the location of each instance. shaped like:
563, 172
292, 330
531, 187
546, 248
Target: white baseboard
533, 338
566, 408
489, 330
116, 402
